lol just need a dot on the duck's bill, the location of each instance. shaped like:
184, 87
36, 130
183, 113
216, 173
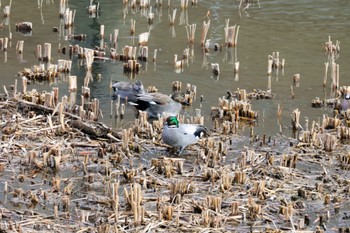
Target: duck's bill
186, 103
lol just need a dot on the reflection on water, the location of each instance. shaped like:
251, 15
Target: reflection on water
296, 30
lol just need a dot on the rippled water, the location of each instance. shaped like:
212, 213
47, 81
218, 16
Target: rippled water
296, 29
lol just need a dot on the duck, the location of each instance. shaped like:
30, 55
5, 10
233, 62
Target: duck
345, 103
127, 90
181, 135
157, 103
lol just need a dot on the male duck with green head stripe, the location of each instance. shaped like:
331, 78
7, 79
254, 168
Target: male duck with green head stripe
181, 135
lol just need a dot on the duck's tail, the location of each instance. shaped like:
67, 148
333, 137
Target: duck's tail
201, 131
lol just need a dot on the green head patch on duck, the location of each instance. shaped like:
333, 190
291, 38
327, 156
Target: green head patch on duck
172, 121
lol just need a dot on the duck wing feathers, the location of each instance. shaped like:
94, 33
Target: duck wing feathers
128, 90
155, 98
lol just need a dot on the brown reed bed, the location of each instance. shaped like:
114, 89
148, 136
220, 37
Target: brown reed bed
63, 172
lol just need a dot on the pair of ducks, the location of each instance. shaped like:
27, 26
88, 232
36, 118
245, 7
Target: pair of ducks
174, 134
155, 103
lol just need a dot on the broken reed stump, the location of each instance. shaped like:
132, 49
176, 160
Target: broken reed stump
131, 66
236, 68
191, 31
7, 10
296, 120
330, 122
47, 52
4, 43
48, 102
78, 37
334, 75
231, 34
93, 9
326, 66
317, 103
68, 17
330, 142
172, 17
242, 94
215, 68
205, 29
331, 49
274, 62
234, 110
143, 53
190, 92
114, 40
129, 53
150, 16
44, 73
296, 79
143, 38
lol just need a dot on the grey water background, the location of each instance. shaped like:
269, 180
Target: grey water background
295, 29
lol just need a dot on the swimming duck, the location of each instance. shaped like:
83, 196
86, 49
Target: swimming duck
156, 103
181, 135
127, 90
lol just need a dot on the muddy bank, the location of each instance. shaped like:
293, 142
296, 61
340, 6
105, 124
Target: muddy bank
64, 173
